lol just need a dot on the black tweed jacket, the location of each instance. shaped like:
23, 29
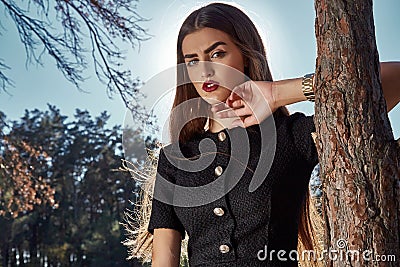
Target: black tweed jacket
243, 227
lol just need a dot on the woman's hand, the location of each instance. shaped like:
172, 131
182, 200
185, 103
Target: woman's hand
257, 100
252, 100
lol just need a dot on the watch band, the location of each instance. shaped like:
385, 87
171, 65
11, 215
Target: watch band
307, 86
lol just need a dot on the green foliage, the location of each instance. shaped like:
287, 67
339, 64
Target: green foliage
82, 227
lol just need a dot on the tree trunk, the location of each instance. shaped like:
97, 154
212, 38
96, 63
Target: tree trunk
33, 243
358, 155
5, 254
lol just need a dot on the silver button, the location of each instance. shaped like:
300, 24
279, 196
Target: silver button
224, 248
221, 136
219, 211
218, 170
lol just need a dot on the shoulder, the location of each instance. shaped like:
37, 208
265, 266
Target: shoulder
183, 149
301, 116
295, 117
171, 154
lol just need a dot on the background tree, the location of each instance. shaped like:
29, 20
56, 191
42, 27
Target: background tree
69, 31
21, 188
81, 226
358, 154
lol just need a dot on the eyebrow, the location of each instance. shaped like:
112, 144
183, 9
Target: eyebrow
208, 50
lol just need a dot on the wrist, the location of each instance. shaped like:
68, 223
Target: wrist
275, 95
287, 92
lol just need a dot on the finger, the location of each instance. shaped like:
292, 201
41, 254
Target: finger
249, 121
243, 112
236, 104
228, 113
238, 122
233, 113
219, 106
234, 96
247, 93
237, 92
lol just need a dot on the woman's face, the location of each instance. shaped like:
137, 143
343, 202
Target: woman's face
214, 63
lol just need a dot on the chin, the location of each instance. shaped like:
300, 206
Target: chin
214, 99
216, 96
210, 100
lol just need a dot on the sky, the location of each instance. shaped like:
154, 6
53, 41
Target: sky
287, 28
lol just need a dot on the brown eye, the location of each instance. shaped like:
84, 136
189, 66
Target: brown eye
218, 54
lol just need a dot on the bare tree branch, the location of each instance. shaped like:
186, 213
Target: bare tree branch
4, 80
106, 24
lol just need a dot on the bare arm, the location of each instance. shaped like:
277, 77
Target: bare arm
289, 91
166, 248
285, 92
390, 76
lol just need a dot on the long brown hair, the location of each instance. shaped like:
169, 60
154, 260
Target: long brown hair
245, 36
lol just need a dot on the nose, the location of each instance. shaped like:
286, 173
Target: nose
207, 70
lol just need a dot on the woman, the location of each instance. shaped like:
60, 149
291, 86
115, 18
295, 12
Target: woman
239, 228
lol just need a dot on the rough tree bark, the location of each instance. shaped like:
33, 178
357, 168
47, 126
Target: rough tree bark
358, 154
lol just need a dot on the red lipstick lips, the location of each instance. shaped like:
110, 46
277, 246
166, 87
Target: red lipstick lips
210, 86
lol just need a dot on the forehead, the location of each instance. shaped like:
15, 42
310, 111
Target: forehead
200, 40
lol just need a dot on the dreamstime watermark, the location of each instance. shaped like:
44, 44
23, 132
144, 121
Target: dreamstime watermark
339, 253
185, 196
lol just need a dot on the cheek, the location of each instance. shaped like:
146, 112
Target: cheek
199, 89
194, 75
239, 65
197, 83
